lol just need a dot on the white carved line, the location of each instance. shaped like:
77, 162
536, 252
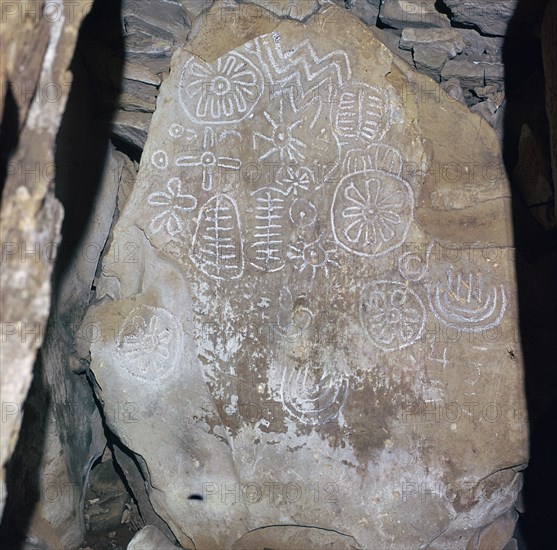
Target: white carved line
392, 314
302, 213
371, 213
175, 204
312, 401
288, 71
268, 234
300, 61
469, 304
282, 140
208, 160
217, 243
149, 343
363, 112
159, 159
414, 274
223, 92
377, 156
314, 256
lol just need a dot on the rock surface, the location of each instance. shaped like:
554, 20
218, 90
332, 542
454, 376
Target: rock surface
136, 482
289, 537
316, 313
473, 73
131, 127
365, 10
292, 9
489, 17
150, 538
414, 13
448, 41
35, 83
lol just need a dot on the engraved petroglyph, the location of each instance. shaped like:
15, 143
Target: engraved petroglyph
223, 92
376, 156
268, 235
294, 314
175, 202
412, 266
363, 112
295, 179
315, 256
149, 343
159, 159
284, 142
371, 213
176, 130
300, 71
469, 302
217, 247
209, 160
302, 213
291, 195
392, 314
312, 394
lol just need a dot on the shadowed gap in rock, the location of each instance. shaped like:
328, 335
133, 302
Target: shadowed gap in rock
536, 272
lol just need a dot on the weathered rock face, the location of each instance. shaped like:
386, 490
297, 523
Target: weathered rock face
150, 538
490, 18
315, 310
402, 13
38, 40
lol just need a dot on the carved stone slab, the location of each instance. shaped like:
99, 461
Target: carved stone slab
315, 316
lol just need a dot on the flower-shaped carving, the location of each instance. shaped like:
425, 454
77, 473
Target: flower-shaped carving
295, 179
371, 215
314, 256
175, 203
222, 92
392, 314
148, 343
147, 337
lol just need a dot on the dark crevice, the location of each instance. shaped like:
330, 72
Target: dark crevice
110, 437
441, 7
114, 443
536, 273
132, 152
23, 469
82, 143
80, 155
9, 135
381, 25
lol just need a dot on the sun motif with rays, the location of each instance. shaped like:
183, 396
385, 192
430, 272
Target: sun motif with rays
314, 256
284, 141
